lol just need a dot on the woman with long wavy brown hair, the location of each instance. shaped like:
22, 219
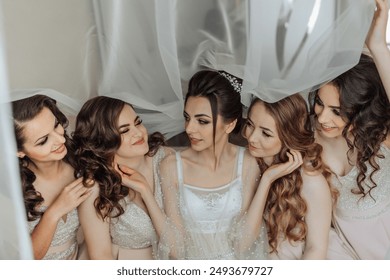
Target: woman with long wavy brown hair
293, 189
351, 117
50, 189
109, 134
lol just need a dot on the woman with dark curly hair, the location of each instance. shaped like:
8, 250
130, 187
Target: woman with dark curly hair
49, 186
293, 195
352, 123
109, 135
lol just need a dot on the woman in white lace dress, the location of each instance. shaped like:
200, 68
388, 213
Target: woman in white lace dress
352, 123
50, 190
208, 186
114, 219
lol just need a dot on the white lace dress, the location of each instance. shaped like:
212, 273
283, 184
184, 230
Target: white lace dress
209, 219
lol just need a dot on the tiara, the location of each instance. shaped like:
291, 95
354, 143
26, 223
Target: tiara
233, 81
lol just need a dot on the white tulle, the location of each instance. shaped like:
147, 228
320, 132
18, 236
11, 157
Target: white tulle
150, 49
14, 238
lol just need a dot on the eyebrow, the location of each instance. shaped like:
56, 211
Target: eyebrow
198, 115
40, 138
330, 106
126, 125
46, 135
262, 127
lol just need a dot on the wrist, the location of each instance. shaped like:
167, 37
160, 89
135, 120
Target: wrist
378, 51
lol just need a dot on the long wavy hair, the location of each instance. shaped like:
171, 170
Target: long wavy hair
97, 139
364, 106
25, 110
285, 208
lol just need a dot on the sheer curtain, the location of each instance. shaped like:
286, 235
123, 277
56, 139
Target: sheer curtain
14, 238
144, 52
150, 49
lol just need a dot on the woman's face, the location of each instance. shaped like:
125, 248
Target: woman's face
261, 133
44, 138
133, 134
199, 124
329, 123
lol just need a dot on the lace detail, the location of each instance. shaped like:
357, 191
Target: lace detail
134, 228
66, 232
368, 206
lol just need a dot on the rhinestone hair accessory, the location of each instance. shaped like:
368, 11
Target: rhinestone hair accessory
233, 81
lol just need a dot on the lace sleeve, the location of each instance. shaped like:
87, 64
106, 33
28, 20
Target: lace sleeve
249, 242
171, 243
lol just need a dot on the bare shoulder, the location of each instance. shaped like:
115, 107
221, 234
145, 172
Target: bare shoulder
168, 150
249, 159
387, 141
168, 160
314, 184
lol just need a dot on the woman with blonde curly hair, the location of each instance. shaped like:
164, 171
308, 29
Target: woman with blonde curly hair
293, 196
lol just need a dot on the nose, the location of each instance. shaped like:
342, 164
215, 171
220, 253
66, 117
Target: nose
59, 137
189, 127
322, 115
136, 132
251, 135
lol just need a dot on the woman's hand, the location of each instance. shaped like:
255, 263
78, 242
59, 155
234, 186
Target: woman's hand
70, 198
132, 179
279, 170
376, 36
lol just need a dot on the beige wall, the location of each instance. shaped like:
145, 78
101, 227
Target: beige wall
52, 44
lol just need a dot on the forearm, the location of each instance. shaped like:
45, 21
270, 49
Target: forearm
254, 215
381, 56
156, 214
43, 233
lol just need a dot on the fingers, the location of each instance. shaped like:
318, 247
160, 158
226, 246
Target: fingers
126, 170
294, 159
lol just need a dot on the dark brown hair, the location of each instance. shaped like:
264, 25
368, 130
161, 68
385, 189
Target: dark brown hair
224, 99
97, 138
25, 110
364, 106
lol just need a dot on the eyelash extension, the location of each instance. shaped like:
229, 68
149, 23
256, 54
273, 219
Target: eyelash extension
43, 142
318, 101
124, 131
267, 135
138, 122
203, 122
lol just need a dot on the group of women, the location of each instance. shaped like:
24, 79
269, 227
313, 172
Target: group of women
312, 181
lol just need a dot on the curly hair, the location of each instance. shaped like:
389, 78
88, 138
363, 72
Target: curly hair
285, 208
364, 107
97, 138
25, 110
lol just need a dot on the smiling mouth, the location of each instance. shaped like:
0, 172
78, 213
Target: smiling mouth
139, 142
327, 128
194, 140
59, 149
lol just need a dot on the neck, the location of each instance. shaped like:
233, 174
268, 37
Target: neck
47, 170
214, 157
138, 163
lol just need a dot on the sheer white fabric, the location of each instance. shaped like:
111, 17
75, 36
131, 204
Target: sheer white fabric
150, 49
14, 238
